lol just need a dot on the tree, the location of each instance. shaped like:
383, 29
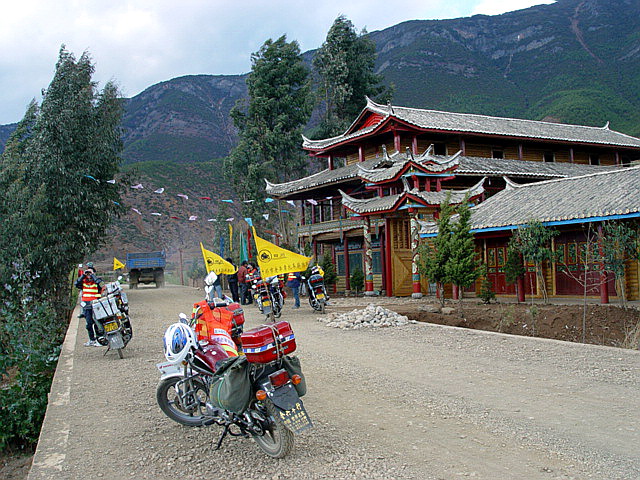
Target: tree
513, 267
57, 165
270, 126
345, 64
462, 268
357, 280
533, 241
434, 258
330, 275
619, 244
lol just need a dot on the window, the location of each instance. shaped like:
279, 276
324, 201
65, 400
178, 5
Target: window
497, 153
355, 261
594, 159
548, 157
439, 149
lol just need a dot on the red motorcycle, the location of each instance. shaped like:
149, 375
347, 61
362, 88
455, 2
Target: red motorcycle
246, 382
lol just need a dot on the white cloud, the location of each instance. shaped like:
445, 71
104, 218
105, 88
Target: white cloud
142, 42
497, 7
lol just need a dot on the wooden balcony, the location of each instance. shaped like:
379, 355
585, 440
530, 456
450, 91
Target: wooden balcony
333, 229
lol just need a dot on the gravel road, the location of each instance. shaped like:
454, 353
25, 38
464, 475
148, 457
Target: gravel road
414, 402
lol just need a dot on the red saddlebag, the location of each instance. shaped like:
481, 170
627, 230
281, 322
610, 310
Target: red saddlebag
268, 343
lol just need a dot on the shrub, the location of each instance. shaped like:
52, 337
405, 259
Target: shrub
357, 280
30, 338
486, 291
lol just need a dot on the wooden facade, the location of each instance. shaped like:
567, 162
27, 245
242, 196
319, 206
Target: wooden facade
430, 153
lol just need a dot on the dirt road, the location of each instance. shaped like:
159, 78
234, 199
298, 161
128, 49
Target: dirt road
415, 402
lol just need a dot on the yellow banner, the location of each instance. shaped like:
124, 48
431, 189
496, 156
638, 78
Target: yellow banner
117, 264
274, 260
215, 263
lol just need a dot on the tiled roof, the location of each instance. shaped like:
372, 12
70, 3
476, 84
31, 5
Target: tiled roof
382, 204
468, 166
483, 125
602, 194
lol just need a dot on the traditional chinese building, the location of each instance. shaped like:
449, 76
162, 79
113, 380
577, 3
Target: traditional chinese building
392, 168
576, 207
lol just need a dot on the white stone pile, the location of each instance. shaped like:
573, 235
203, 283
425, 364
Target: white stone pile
370, 317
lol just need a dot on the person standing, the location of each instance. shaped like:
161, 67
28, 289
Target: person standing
242, 281
91, 287
294, 280
232, 280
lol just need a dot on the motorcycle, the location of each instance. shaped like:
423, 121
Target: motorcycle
199, 367
263, 298
317, 293
111, 316
277, 296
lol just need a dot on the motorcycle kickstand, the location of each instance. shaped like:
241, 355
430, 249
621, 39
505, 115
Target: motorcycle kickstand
224, 434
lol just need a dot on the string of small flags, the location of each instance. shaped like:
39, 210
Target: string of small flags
192, 218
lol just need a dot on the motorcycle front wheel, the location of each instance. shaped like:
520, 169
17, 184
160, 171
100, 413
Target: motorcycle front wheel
277, 440
186, 408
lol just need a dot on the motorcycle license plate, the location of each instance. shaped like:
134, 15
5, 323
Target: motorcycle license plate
320, 296
266, 303
110, 327
296, 419
167, 368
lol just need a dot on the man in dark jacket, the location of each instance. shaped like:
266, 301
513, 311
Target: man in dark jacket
232, 279
293, 281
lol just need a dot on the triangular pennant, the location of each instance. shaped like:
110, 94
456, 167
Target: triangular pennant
215, 263
274, 260
117, 264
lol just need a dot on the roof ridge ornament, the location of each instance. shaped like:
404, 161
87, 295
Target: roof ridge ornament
606, 126
511, 185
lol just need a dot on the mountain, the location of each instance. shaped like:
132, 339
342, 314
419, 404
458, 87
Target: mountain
574, 61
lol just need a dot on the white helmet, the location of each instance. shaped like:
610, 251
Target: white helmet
179, 339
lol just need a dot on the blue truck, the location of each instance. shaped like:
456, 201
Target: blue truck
146, 267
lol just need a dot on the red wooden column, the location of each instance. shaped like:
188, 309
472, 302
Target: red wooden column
383, 249
368, 257
604, 290
387, 257
415, 255
455, 291
347, 280
314, 243
396, 141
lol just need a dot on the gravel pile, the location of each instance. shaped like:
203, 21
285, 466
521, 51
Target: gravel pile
371, 316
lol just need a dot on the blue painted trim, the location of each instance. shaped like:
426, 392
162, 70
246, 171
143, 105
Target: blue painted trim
548, 224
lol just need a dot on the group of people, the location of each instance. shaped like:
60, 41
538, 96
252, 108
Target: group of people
240, 284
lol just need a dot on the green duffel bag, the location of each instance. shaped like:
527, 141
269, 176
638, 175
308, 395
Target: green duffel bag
231, 387
292, 366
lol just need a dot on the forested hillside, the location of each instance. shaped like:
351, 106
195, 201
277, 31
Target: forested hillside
574, 61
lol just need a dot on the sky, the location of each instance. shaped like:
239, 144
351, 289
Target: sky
138, 43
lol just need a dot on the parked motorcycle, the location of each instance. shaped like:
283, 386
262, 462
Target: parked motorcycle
276, 292
111, 316
263, 298
317, 293
255, 395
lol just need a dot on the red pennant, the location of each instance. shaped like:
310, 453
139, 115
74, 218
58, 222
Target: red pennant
205, 198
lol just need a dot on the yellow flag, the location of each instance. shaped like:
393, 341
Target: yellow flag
274, 260
117, 264
215, 263
230, 238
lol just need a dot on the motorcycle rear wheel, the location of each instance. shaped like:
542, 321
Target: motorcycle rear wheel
170, 403
277, 440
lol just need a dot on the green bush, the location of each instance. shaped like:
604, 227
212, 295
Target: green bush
30, 342
357, 280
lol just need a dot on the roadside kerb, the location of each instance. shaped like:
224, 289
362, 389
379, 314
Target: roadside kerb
51, 450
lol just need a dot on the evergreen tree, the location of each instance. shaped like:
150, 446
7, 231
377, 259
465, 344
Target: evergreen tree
270, 126
56, 165
345, 64
462, 268
434, 258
